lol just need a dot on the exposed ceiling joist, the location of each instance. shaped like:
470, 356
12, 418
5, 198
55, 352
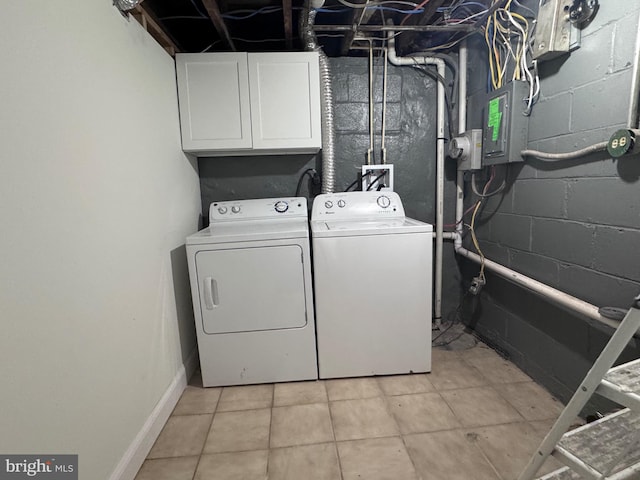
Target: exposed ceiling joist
151, 25
288, 23
216, 17
357, 16
430, 9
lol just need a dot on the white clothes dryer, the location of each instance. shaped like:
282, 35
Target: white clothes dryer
372, 282
250, 273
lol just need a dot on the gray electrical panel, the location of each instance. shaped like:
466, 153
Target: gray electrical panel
504, 124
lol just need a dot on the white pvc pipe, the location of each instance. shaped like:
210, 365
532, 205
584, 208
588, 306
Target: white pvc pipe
550, 293
440, 65
633, 121
462, 127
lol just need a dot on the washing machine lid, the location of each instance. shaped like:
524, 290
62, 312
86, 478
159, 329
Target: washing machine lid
245, 231
373, 226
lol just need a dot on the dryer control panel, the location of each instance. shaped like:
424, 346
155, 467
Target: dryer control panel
351, 205
258, 209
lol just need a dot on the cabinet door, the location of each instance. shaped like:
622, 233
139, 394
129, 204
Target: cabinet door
213, 92
285, 100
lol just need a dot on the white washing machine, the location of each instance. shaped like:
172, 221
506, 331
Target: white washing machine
251, 284
372, 283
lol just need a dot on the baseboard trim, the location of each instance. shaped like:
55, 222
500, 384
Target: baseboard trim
139, 448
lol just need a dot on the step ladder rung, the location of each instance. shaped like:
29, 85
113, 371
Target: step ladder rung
595, 446
622, 385
564, 473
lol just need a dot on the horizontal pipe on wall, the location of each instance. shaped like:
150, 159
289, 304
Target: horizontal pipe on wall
556, 296
395, 28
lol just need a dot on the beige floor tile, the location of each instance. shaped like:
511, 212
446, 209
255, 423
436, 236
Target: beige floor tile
363, 418
196, 400
352, 388
300, 425
480, 406
480, 350
531, 400
424, 412
448, 455
542, 426
299, 393
498, 370
405, 384
308, 462
440, 354
182, 436
509, 447
233, 466
235, 431
245, 397
376, 459
454, 373
179, 468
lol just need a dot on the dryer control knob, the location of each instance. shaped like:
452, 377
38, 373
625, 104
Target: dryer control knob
328, 204
341, 203
384, 201
222, 210
235, 209
281, 206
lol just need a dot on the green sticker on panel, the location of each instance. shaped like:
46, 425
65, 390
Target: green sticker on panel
495, 118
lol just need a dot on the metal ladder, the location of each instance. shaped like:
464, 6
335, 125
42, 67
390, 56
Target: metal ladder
608, 448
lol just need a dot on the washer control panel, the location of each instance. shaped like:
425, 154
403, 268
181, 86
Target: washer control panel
264, 208
350, 205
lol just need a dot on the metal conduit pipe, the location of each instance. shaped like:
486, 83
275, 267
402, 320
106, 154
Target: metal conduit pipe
440, 65
326, 99
556, 296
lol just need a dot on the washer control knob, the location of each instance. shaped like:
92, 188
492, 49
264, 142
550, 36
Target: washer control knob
341, 203
235, 209
384, 201
328, 204
222, 210
281, 206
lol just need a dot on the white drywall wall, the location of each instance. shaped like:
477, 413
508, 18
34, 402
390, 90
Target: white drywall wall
96, 198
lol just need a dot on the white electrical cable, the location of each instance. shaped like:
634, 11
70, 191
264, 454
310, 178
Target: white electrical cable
598, 147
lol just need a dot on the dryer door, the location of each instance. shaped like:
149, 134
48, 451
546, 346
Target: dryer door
251, 289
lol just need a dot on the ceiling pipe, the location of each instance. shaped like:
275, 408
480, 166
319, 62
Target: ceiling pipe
440, 107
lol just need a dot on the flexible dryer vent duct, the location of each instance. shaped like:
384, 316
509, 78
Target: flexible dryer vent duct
326, 100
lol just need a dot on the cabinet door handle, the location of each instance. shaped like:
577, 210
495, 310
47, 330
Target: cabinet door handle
210, 293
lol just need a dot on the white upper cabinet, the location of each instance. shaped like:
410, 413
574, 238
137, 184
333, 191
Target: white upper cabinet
244, 104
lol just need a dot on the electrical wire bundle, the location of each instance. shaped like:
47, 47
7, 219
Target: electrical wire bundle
508, 36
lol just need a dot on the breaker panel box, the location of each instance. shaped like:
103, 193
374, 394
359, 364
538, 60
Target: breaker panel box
505, 127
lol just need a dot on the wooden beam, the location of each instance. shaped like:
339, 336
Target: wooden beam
430, 9
216, 17
288, 23
151, 25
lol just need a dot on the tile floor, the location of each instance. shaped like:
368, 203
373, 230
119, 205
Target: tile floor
475, 417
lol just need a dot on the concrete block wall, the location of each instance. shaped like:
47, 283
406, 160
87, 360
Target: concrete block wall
574, 225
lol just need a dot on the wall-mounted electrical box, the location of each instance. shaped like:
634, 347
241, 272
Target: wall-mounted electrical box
505, 126
377, 177
555, 33
467, 149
